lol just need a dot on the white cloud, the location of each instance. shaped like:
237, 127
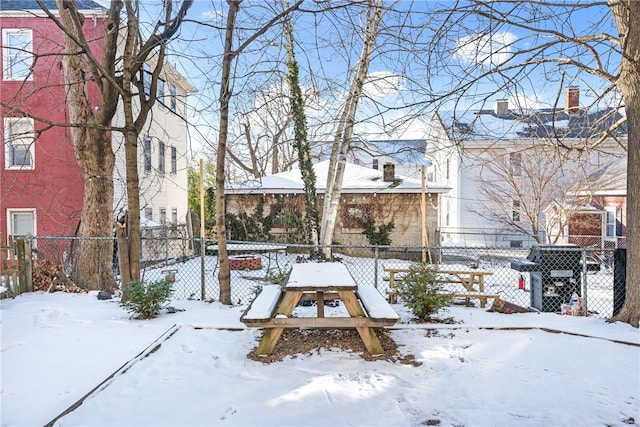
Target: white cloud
484, 49
212, 15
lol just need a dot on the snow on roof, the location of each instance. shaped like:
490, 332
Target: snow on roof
519, 124
357, 179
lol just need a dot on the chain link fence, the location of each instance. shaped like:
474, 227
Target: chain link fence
543, 277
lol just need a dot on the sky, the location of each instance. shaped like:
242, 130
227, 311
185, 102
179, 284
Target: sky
419, 58
190, 368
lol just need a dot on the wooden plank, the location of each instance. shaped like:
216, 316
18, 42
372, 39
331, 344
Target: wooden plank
375, 304
370, 340
351, 304
263, 305
320, 323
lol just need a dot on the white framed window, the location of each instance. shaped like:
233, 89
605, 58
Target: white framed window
160, 95
146, 76
174, 216
174, 98
17, 54
163, 216
161, 156
515, 164
516, 211
18, 143
612, 218
21, 222
147, 153
148, 213
174, 160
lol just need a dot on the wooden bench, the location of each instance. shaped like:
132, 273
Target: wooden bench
468, 278
262, 308
376, 306
481, 296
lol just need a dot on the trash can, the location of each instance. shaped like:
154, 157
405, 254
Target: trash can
619, 279
555, 273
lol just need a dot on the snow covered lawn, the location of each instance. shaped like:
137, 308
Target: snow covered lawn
488, 369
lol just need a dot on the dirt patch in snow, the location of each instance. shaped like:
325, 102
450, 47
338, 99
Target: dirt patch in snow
295, 342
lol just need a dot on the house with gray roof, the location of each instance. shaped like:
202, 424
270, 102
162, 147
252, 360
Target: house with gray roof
466, 148
367, 194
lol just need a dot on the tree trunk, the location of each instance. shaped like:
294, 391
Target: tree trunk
301, 143
627, 17
342, 140
224, 273
92, 259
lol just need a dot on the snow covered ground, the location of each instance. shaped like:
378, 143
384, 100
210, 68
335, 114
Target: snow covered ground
191, 368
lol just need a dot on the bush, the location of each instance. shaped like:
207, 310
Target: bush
277, 276
422, 292
146, 300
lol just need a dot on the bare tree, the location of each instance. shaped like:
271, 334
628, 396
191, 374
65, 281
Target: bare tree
119, 75
229, 55
344, 130
523, 47
518, 186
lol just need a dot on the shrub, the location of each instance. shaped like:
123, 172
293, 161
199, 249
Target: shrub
422, 292
277, 276
146, 300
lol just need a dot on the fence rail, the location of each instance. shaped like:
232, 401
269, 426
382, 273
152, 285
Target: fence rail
15, 267
194, 270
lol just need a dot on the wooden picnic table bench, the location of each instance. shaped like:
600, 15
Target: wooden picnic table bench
273, 307
468, 277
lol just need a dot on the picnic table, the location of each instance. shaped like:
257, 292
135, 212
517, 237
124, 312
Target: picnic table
272, 309
262, 248
468, 277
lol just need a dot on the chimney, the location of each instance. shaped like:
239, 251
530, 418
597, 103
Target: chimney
388, 172
502, 107
572, 100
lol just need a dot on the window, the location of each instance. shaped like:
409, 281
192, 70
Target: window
17, 55
160, 95
148, 213
173, 100
515, 163
613, 221
174, 216
18, 147
282, 218
21, 222
516, 210
355, 215
146, 80
174, 160
147, 154
163, 216
160, 156
375, 164
447, 168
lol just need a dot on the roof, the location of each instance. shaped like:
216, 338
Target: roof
24, 5
611, 179
527, 124
357, 179
407, 152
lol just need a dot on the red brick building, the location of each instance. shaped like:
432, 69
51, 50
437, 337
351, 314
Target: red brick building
41, 185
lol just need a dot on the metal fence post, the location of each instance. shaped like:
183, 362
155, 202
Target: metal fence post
375, 267
202, 273
585, 282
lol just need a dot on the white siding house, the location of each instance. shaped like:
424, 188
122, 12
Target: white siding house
464, 147
162, 156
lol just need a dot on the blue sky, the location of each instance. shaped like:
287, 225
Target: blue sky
407, 77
